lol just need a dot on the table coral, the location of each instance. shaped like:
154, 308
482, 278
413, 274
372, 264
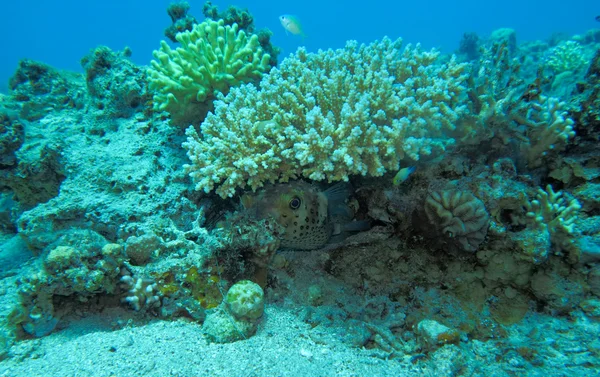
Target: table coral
325, 116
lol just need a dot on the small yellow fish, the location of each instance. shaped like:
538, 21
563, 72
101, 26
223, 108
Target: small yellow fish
402, 175
309, 216
291, 24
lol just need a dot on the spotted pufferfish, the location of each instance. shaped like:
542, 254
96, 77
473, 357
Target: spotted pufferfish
309, 216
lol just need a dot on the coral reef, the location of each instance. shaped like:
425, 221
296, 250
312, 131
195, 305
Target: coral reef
359, 110
507, 37
505, 109
116, 86
469, 46
484, 262
77, 272
587, 102
12, 133
38, 89
233, 15
140, 292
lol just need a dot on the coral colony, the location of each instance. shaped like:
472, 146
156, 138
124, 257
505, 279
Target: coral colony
126, 182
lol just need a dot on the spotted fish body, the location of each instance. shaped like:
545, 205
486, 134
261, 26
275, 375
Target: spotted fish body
304, 211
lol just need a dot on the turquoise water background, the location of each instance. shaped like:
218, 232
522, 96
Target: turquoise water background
61, 32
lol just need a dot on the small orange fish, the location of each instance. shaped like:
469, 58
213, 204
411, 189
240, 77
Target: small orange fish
291, 24
309, 216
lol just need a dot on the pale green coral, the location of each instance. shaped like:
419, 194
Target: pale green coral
550, 211
549, 129
212, 58
326, 116
567, 57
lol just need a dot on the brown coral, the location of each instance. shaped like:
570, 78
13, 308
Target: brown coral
458, 216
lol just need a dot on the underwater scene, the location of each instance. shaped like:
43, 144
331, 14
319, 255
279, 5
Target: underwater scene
218, 188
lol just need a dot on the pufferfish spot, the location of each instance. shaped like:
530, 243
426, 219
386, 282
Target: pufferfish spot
308, 222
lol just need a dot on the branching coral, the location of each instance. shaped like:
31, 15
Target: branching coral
212, 58
501, 106
549, 128
551, 211
567, 57
325, 116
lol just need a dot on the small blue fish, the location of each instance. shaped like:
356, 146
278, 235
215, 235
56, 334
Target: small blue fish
291, 24
402, 175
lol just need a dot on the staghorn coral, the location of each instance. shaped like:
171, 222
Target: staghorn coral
459, 216
325, 116
212, 58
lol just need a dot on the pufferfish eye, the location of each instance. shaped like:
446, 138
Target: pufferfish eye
295, 203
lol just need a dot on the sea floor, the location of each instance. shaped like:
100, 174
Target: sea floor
113, 344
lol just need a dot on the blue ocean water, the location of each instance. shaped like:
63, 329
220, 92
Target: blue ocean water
61, 33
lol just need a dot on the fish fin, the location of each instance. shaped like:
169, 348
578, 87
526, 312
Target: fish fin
247, 201
338, 192
356, 226
342, 231
337, 229
336, 199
